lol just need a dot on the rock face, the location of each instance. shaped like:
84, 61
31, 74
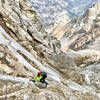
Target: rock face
82, 31
54, 12
26, 48
23, 22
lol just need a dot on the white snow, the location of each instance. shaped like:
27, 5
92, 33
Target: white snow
8, 78
76, 86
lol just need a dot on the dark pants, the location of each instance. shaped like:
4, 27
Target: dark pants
43, 80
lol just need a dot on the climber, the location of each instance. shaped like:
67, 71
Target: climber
40, 77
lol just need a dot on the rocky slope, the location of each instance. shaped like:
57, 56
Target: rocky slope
53, 12
25, 48
81, 32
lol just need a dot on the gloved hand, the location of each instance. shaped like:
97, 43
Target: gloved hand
33, 80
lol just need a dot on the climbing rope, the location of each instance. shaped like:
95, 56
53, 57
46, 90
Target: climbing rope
6, 92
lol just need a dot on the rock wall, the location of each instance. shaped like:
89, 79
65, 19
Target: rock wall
21, 22
82, 31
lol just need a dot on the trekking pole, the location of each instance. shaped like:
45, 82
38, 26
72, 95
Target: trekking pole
6, 92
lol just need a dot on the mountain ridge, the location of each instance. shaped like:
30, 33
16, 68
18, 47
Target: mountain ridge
51, 10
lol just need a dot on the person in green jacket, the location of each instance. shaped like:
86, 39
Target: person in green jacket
37, 77
40, 77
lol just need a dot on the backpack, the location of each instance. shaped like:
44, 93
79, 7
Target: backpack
44, 74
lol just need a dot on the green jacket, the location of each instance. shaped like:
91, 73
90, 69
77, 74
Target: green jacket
37, 78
